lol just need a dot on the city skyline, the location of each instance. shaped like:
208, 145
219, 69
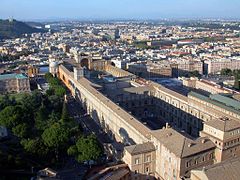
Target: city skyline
125, 9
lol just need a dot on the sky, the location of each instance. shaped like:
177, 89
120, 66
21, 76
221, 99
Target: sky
118, 9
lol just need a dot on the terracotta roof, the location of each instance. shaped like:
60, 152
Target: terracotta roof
221, 171
140, 148
180, 145
224, 124
118, 174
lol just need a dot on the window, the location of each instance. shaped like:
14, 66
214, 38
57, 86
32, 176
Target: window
146, 170
136, 160
174, 173
188, 164
148, 158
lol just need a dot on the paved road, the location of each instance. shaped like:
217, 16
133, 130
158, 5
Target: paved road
90, 126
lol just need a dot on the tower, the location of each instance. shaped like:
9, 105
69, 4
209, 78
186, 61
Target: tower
53, 67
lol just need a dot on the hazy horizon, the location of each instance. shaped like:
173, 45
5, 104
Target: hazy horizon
119, 10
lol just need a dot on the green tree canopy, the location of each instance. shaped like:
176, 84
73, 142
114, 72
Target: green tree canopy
35, 146
21, 130
10, 116
86, 148
55, 136
194, 74
41, 118
65, 115
226, 72
6, 101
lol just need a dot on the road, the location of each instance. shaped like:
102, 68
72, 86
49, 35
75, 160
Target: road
91, 127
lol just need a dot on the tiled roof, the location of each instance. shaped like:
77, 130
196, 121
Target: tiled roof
180, 145
140, 148
223, 124
221, 171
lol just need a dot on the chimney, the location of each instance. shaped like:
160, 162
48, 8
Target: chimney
167, 126
190, 144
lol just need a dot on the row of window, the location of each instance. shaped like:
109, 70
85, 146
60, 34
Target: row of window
147, 159
140, 103
146, 170
199, 160
202, 102
181, 113
231, 142
235, 132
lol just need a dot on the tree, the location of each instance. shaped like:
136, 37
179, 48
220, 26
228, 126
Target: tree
194, 74
21, 130
72, 150
55, 136
35, 147
52, 118
237, 84
10, 116
48, 76
41, 118
65, 115
86, 148
55, 85
50, 92
60, 91
226, 72
6, 101
55, 103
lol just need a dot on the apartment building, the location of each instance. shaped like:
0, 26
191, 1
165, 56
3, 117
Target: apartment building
215, 66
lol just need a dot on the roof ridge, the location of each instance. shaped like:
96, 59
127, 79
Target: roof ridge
135, 146
225, 122
183, 146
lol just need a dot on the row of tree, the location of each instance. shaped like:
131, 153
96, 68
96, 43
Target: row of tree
44, 128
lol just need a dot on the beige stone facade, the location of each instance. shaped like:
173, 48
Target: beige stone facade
12, 83
205, 85
215, 66
225, 133
166, 153
141, 160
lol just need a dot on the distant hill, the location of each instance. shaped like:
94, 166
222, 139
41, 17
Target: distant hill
13, 29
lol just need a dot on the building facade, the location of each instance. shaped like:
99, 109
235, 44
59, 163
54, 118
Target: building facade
167, 153
14, 83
